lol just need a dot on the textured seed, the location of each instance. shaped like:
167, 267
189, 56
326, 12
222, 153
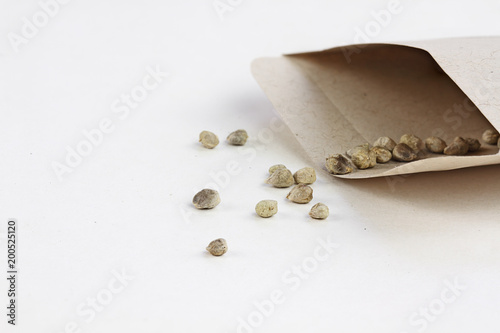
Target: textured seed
338, 164
458, 147
305, 175
206, 199
363, 147
266, 208
474, 144
385, 142
208, 139
491, 136
238, 138
276, 167
403, 153
281, 178
217, 247
300, 194
382, 155
363, 157
319, 211
414, 142
435, 144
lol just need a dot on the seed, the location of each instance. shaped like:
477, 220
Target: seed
474, 144
363, 147
490, 136
217, 247
414, 142
382, 155
338, 164
385, 142
363, 157
206, 199
458, 147
435, 144
281, 178
403, 153
276, 167
266, 208
319, 211
208, 139
237, 138
301, 193
305, 175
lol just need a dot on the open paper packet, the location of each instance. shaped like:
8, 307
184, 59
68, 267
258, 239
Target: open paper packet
339, 98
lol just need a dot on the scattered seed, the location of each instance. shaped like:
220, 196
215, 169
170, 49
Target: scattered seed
206, 199
363, 157
491, 136
474, 144
403, 153
382, 155
276, 167
300, 194
414, 142
305, 175
458, 147
338, 164
238, 138
385, 142
319, 211
217, 247
208, 139
266, 208
435, 144
281, 178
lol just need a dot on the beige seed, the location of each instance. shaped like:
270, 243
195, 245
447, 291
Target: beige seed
491, 136
458, 147
217, 247
276, 167
208, 139
414, 142
403, 153
435, 144
237, 138
474, 144
382, 155
266, 208
206, 199
363, 147
281, 178
300, 194
338, 164
305, 175
363, 157
319, 211
385, 142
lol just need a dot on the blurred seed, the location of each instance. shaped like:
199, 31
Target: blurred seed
435, 144
458, 147
319, 211
363, 147
281, 178
305, 175
474, 144
414, 142
300, 194
206, 199
208, 139
238, 138
363, 157
491, 136
403, 153
217, 247
266, 208
276, 167
382, 155
385, 142
338, 164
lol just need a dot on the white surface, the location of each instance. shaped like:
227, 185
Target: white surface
127, 206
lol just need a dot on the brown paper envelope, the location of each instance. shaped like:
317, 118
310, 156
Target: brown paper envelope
336, 99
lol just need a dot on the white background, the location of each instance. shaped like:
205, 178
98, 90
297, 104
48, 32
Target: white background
127, 206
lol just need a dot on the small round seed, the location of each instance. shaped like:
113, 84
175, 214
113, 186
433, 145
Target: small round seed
238, 138
474, 144
414, 142
208, 139
276, 167
206, 199
305, 175
217, 247
266, 208
435, 144
458, 147
491, 136
281, 178
403, 153
338, 164
363, 157
363, 147
300, 194
382, 155
319, 211
385, 142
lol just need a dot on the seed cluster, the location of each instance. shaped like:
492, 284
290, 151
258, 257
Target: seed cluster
210, 140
